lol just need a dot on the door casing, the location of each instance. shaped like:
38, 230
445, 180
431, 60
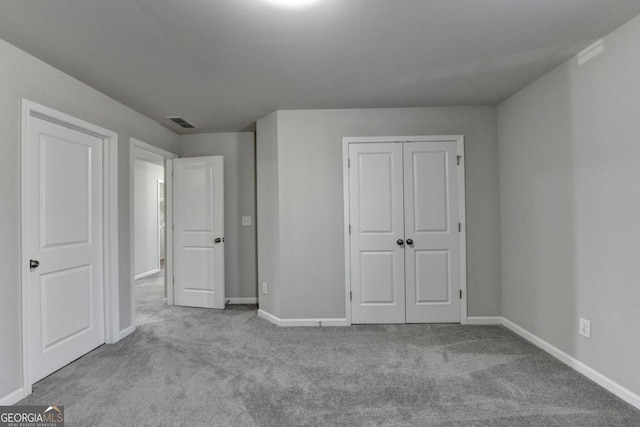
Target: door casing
110, 224
459, 140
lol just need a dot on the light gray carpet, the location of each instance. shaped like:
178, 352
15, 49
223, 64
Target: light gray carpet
198, 367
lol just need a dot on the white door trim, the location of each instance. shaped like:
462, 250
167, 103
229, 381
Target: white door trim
459, 139
151, 153
110, 223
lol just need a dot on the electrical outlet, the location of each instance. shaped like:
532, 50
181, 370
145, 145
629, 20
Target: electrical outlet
585, 328
265, 288
246, 221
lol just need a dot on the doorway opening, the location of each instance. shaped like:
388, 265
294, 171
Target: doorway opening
151, 260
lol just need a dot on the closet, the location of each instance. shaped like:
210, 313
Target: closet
406, 240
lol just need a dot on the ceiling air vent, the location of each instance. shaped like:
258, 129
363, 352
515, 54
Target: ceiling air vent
181, 122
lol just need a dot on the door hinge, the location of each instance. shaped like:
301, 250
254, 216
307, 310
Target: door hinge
349, 228
350, 296
459, 227
348, 163
459, 158
174, 280
460, 293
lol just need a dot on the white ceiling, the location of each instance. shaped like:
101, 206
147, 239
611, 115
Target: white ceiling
222, 64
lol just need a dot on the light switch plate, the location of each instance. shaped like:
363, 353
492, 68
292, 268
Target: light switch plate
246, 221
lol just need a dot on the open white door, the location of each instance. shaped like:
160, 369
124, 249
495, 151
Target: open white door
198, 208
64, 242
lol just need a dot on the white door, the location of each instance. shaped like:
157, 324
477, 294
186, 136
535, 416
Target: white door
198, 205
65, 312
377, 223
432, 252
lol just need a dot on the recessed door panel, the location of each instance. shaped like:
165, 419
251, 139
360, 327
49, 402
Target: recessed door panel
430, 186
203, 261
377, 279
199, 197
432, 277
66, 304
376, 192
65, 199
376, 215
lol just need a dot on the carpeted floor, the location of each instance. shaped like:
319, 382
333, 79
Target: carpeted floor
196, 367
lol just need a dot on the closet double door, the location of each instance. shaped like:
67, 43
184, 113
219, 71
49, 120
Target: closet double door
405, 251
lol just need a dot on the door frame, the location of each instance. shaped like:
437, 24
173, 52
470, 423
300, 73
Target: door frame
111, 281
158, 183
459, 139
151, 153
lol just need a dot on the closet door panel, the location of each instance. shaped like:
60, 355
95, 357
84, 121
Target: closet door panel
432, 253
376, 209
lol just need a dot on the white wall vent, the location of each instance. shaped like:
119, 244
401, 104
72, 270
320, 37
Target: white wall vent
180, 121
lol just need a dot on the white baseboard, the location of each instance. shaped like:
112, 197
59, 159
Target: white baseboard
12, 398
268, 316
126, 332
595, 376
484, 320
302, 322
148, 273
244, 300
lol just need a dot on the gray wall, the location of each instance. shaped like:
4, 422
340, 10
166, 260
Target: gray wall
238, 150
569, 154
21, 75
268, 212
310, 199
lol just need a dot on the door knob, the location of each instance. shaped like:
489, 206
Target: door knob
409, 241
33, 264
217, 240
400, 242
